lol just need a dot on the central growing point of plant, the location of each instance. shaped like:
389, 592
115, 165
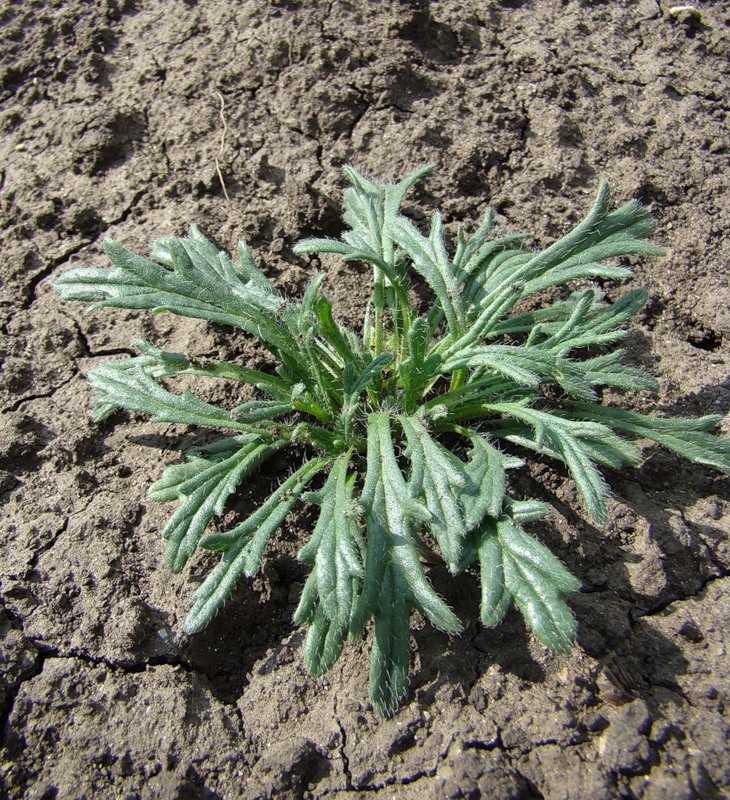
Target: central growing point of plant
409, 428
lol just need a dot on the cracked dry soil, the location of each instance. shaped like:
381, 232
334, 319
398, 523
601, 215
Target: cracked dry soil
111, 124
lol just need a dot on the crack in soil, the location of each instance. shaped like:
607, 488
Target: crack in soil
46, 653
13, 407
45, 272
413, 777
127, 667
30, 294
664, 604
6, 709
342, 749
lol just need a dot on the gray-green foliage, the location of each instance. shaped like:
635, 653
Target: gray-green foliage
402, 435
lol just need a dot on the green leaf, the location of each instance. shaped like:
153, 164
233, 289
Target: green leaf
496, 598
440, 481
579, 444
158, 362
338, 562
390, 655
526, 366
355, 384
458, 494
333, 587
391, 513
512, 362
190, 278
430, 260
526, 550
486, 469
308, 602
244, 546
537, 581
323, 643
516, 567
259, 411
341, 339
127, 384
486, 315
466, 248
609, 370
687, 437
525, 510
419, 367
602, 234
591, 322
369, 206
202, 486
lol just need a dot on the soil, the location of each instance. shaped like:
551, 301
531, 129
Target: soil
125, 118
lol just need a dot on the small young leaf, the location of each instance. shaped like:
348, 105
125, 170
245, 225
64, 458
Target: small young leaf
430, 261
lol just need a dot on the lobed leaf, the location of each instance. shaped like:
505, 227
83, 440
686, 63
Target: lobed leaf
602, 234
390, 655
486, 468
323, 643
190, 278
156, 363
428, 257
439, 480
579, 444
244, 545
390, 514
332, 588
526, 366
516, 567
202, 486
338, 564
128, 384
609, 370
687, 437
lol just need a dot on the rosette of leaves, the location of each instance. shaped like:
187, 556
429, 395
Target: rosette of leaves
402, 434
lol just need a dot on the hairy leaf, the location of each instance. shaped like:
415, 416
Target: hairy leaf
202, 486
515, 567
243, 547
